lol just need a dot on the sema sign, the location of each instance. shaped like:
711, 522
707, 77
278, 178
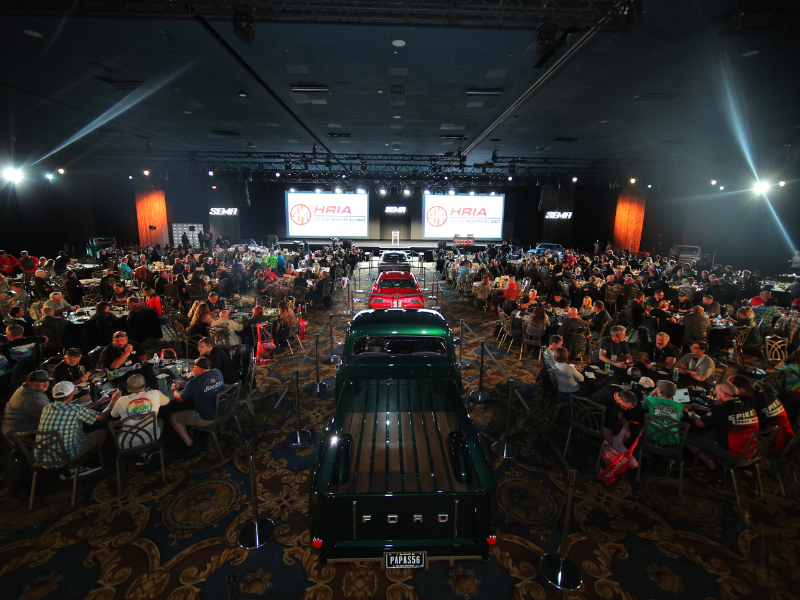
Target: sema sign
223, 211
558, 215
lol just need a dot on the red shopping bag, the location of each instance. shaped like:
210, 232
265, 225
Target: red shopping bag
265, 348
301, 325
616, 462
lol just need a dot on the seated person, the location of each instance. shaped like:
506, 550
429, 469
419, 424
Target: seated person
660, 354
710, 306
483, 291
697, 325
262, 283
201, 390
696, 364
140, 401
761, 298
120, 351
142, 323
770, 412
74, 368
575, 332
719, 435
120, 295
42, 284
570, 380
549, 353
681, 304
233, 327
24, 409
215, 303
529, 302
622, 408
556, 300
636, 304
654, 300
200, 320
599, 319
219, 358
16, 316
59, 304
270, 274
315, 295
613, 349
661, 404
18, 354
20, 297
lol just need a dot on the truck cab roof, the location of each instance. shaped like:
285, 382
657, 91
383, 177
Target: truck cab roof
399, 321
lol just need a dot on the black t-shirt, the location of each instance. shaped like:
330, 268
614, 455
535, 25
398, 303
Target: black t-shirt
618, 349
599, 319
111, 353
660, 356
733, 422
62, 262
63, 372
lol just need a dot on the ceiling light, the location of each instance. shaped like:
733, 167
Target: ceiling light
13, 175
213, 187
633, 180
511, 178
382, 191
130, 176
483, 92
574, 180
426, 192
277, 174
242, 94
291, 189
649, 185
361, 191
398, 43
491, 193
722, 187
380, 92
472, 193
397, 116
337, 190
310, 89
604, 121
713, 182
146, 173
32, 33
451, 192
60, 171
751, 53
761, 187
187, 112
781, 183
49, 176
319, 191
211, 173
406, 192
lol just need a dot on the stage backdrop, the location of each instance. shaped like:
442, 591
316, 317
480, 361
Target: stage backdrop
629, 219
151, 209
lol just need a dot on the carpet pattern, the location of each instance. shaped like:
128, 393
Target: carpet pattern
175, 539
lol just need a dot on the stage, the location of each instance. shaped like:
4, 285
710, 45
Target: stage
376, 246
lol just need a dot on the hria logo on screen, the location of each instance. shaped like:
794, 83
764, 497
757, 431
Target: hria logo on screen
437, 216
301, 214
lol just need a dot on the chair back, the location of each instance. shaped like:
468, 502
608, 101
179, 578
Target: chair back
196, 292
777, 349
664, 435
587, 416
171, 291
610, 299
227, 401
757, 446
44, 449
221, 335
135, 433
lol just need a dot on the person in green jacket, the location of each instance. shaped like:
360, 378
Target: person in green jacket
661, 404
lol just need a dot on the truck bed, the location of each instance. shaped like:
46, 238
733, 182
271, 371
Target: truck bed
399, 430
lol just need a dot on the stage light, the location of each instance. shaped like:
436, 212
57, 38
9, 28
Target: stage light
446, 177
406, 192
361, 191
291, 190
61, 171
13, 175
649, 185
426, 191
761, 187
337, 190
452, 192
713, 182
633, 180
49, 176
781, 183
574, 180
211, 173
510, 178
472, 193
242, 94
319, 191
213, 187
491, 193
277, 174
146, 173
382, 191
722, 187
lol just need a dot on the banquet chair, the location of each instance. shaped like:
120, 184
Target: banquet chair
46, 450
534, 338
586, 417
659, 433
754, 451
777, 349
227, 403
135, 435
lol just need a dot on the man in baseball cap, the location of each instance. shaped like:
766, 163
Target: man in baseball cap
24, 408
140, 401
201, 390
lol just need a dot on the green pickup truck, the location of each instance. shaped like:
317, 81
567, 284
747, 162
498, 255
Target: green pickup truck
400, 475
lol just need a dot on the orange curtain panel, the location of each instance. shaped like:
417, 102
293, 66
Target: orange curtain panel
151, 209
629, 219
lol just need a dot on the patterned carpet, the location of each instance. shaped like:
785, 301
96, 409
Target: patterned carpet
176, 539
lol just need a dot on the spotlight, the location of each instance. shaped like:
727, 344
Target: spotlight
12, 174
242, 94
761, 187
277, 174
722, 187
319, 191
472, 193
211, 173
213, 187
146, 173
406, 192
781, 183
130, 176
382, 191
361, 191
49, 176
446, 177
61, 171
574, 180
491, 193
713, 182
291, 190
426, 191
633, 180
337, 190
452, 192
511, 178
649, 185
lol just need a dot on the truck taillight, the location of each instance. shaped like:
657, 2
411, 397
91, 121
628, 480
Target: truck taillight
317, 543
491, 540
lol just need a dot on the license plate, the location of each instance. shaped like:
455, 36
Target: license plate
404, 560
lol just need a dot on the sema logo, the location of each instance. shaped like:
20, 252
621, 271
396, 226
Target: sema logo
436, 216
139, 406
300, 214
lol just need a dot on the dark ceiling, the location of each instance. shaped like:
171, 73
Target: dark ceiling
680, 92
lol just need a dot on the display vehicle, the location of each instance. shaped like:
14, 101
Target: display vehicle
399, 473
396, 289
394, 260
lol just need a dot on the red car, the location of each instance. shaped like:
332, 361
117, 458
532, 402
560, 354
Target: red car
396, 289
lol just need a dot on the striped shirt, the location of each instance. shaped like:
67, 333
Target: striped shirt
67, 419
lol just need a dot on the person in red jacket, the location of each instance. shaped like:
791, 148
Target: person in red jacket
770, 412
761, 298
8, 264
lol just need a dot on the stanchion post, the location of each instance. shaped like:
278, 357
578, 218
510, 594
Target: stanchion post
318, 386
557, 569
259, 531
461, 364
332, 359
299, 436
507, 449
479, 395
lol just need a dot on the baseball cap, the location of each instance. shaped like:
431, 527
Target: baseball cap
63, 389
634, 372
136, 383
202, 362
119, 334
647, 383
667, 388
73, 352
37, 377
